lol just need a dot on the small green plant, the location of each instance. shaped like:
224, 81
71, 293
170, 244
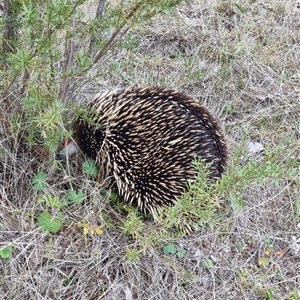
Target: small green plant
267, 241
294, 295
263, 261
45, 220
67, 281
90, 168
269, 294
132, 255
297, 206
239, 7
229, 109
171, 249
107, 194
38, 181
181, 253
50, 201
197, 206
72, 198
243, 275
53, 224
6, 252
208, 263
133, 224
48, 223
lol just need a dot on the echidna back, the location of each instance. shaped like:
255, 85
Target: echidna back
147, 138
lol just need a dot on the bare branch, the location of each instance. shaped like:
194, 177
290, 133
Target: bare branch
99, 13
5, 46
69, 59
100, 8
111, 41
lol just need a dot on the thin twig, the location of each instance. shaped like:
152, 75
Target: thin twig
99, 14
111, 42
8, 31
68, 62
25, 80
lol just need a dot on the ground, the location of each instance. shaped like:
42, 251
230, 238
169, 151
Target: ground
242, 60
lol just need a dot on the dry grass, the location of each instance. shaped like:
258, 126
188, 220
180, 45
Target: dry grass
243, 61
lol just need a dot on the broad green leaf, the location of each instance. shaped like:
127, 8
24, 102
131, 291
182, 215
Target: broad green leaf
169, 249
48, 223
181, 253
38, 181
6, 252
75, 197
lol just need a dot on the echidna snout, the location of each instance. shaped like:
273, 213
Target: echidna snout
70, 149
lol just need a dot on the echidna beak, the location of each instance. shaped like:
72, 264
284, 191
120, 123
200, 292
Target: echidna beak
67, 151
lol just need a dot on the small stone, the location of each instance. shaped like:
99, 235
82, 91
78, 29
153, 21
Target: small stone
295, 247
227, 249
213, 258
255, 147
198, 253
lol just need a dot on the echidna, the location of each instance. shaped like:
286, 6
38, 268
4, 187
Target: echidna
146, 139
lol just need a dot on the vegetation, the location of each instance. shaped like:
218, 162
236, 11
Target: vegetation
63, 234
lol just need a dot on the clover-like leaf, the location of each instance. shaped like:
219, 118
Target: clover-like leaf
181, 253
89, 168
169, 249
48, 223
75, 197
5, 252
38, 181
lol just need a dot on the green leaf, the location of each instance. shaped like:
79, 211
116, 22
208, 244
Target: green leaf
267, 240
20, 60
48, 223
169, 249
72, 197
38, 181
109, 194
89, 168
263, 261
75, 197
5, 252
104, 193
50, 200
239, 8
208, 263
181, 253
